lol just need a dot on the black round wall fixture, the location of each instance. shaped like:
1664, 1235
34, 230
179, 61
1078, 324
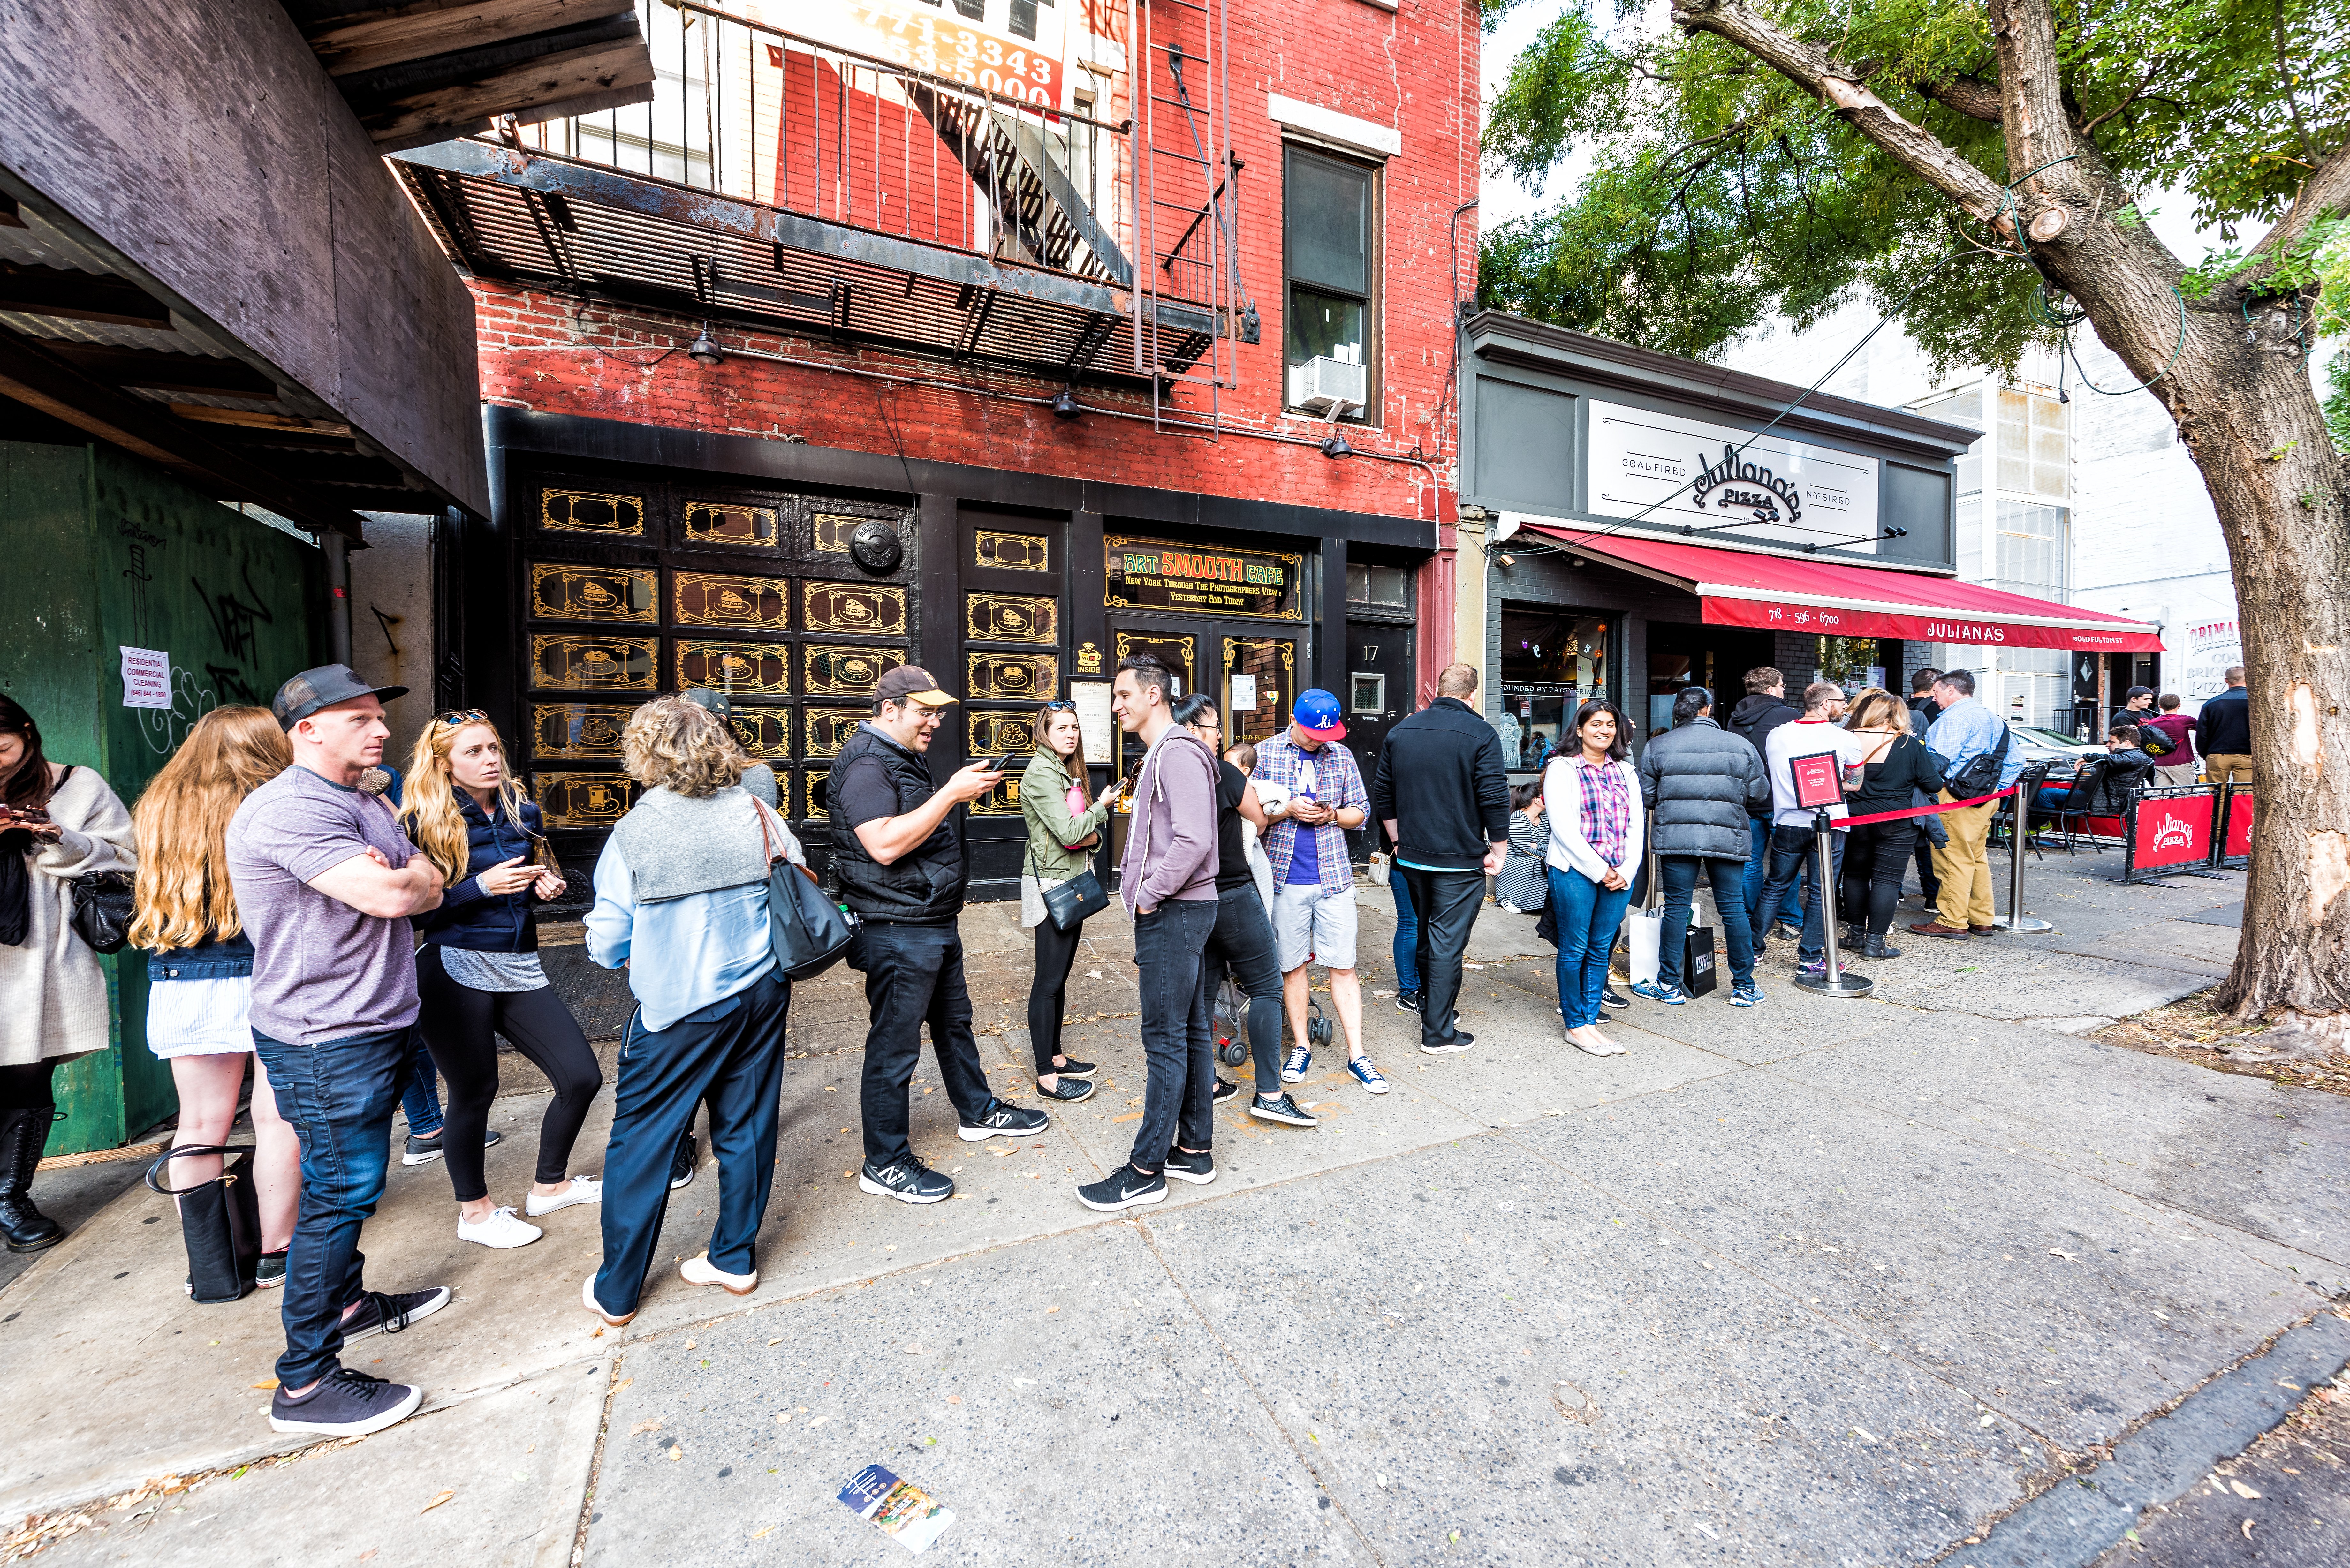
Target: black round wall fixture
874, 546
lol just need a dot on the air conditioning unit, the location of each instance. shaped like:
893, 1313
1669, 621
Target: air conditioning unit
1328, 385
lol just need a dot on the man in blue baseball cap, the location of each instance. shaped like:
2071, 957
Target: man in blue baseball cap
1314, 914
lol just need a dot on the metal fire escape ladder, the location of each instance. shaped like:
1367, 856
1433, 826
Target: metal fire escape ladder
1010, 162
1182, 160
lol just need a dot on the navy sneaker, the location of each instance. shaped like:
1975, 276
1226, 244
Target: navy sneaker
907, 1179
345, 1404
381, 1314
1658, 990
1125, 1188
1281, 1108
681, 1164
1225, 1089
1408, 1001
1066, 1088
1294, 1066
426, 1149
1002, 1116
1199, 1169
1613, 1000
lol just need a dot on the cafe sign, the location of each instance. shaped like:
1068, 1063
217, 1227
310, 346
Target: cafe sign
1157, 574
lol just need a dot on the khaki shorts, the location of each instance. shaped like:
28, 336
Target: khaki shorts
1308, 923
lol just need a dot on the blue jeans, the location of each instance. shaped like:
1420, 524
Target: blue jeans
1791, 849
1406, 933
339, 1097
420, 1101
1758, 866
1588, 915
1178, 1030
1680, 873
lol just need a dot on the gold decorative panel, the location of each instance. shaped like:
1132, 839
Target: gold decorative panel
581, 800
742, 528
577, 730
828, 729
586, 512
728, 598
764, 732
813, 800
1003, 799
833, 530
1270, 664
761, 668
1004, 736
1012, 676
595, 663
1175, 652
1012, 618
847, 671
594, 593
855, 607
1017, 552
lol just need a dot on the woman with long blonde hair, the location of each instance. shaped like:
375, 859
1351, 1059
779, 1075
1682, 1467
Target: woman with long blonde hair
200, 961
478, 974
1895, 767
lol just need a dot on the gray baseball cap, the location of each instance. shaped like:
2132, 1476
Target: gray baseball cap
323, 687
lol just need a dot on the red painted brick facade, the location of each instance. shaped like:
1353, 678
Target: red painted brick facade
1414, 70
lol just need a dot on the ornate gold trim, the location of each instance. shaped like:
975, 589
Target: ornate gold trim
764, 732
1118, 602
1012, 552
733, 525
1002, 734
861, 609
828, 729
763, 668
1012, 618
1011, 676
730, 598
560, 663
1003, 799
831, 530
813, 801
560, 592
590, 511
588, 731
847, 671
1128, 641
581, 800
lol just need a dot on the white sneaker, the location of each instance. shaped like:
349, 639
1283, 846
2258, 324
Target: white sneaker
500, 1230
699, 1270
583, 1190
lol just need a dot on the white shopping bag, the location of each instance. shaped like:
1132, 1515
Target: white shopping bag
1644, 929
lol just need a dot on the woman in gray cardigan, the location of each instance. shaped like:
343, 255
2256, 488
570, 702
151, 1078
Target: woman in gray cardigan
1702, 781
1063, 829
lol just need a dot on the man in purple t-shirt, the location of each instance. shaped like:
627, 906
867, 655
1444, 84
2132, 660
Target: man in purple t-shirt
325, 883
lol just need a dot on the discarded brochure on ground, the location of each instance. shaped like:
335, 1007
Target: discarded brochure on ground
901, 1509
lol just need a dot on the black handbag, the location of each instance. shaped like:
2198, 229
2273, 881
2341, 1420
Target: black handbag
806, 931
1069, 904
102, 910
220, 1221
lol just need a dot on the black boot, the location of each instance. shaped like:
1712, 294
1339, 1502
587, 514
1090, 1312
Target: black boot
1874, 947
21, 1134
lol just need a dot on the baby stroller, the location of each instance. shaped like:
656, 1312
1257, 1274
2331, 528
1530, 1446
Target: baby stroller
1231, 1021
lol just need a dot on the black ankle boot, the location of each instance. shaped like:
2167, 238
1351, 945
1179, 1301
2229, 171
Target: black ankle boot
21, 1134
1875, 947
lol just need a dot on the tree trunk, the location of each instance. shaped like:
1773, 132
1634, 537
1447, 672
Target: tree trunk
2244, 408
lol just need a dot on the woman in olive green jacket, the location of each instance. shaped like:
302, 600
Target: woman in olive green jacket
1064, 827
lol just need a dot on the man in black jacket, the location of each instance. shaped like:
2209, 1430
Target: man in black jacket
1762, 709
1441, 791
2224, 732
1923, 712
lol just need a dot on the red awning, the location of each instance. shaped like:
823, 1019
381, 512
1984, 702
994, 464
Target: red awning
1781, 593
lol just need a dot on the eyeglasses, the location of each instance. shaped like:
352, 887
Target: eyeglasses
464, 716
1060, 705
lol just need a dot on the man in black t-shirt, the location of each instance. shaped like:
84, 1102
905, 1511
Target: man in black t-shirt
1241, 940
897, 850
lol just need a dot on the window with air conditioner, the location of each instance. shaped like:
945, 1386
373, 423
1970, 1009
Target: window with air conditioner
1330, 270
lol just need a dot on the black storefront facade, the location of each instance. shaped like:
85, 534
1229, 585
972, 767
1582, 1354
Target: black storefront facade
1568, 437
621, 561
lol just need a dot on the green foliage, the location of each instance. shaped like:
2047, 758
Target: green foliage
1719, 196
2336, 402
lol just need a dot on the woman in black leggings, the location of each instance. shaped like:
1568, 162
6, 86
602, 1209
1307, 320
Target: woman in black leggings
479, 976
1064, 827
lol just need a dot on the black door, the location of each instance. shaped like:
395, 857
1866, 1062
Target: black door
1379, 691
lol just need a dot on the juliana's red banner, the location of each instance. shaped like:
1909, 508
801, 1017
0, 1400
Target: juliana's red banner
2169, 830
1836, 622
2236, 846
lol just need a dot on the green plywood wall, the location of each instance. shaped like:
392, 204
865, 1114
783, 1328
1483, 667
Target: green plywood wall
112, 553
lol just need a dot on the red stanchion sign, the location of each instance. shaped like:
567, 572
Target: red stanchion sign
2236, 842
1819, 780
2168, 830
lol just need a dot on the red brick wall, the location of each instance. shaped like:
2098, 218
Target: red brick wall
1415, 69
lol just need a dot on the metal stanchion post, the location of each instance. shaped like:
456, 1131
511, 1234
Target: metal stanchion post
2015, 920
1834, 980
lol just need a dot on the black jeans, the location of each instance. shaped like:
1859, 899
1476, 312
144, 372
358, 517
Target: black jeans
1048, 992
731, 1053
913, 976
1878, 860
460, 1028
1446, 904
1179, 1036
1727, 879
1791, 849
1242, 943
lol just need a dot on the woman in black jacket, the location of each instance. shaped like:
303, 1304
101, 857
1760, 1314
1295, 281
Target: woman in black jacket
478, 974
1876, 853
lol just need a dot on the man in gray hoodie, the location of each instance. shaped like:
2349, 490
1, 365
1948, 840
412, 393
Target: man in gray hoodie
1168, 882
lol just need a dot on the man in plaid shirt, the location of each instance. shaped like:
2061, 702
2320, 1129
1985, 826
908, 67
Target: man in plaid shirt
1314, 914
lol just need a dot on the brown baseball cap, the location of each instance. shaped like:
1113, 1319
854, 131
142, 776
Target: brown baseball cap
911, 681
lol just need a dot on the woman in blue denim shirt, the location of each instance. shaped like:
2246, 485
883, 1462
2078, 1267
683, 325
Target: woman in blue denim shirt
200, 963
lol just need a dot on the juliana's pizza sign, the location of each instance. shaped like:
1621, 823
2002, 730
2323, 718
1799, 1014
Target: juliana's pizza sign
1729, 485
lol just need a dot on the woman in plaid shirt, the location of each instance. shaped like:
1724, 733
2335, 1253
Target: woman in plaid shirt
1596, 822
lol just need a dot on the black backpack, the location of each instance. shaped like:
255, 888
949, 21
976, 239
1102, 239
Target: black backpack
1980, 775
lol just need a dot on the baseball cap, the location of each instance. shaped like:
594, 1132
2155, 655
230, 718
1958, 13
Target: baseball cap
710, 697
910, 680
1315, 711
323, 687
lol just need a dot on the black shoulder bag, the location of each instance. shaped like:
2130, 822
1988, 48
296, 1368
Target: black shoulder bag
101, 905
220, 1220
806, 931
1980, 774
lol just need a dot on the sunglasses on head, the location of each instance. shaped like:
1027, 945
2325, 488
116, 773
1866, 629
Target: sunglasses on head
1060, 705
464, 716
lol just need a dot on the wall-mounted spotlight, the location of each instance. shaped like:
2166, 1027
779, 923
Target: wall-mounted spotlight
1507, 559
1334, 445
1064, 404
704, 349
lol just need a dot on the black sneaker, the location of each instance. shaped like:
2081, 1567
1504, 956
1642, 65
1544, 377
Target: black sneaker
1003, 1117
1196, 1168
1071, 1065
270, 1271
908, 1181
1613, 1000
1284, 1109
382, 1314
1225, 1089
681, 1164
345, 1404
1125, 1188
425, 1150
1067, 1088
1408, 1001
1461, 1039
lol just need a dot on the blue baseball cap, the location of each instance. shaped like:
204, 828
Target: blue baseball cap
1316, 711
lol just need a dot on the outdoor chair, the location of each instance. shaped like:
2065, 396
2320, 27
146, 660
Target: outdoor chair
2072, 817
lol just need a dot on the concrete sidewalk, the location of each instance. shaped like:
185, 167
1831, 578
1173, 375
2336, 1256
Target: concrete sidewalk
1822, 1281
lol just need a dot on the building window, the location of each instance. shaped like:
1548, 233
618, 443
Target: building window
1378, 588
2032, 460
1551, 661
1329, 261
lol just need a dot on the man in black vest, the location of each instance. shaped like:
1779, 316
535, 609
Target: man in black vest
897, 850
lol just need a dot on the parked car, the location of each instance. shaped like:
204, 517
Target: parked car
2061, 752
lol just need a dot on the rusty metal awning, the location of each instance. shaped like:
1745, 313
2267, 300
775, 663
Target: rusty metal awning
586, 228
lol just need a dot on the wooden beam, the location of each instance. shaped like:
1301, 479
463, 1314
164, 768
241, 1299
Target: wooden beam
31, 374
165, 372
10, 218
254, 418
394, 35
71, 295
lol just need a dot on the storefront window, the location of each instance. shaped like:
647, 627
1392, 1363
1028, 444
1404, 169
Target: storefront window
1551, 661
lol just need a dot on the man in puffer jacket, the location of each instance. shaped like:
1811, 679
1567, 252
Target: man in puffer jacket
1762, 709
1704, 785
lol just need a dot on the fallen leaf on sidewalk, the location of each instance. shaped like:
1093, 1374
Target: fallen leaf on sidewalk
642, 1427
772, 1343
438, 1498
783, 1417
2053, 1253
1052, 1309
814, 1421
830, 1090
269, 1383
676, 1452
768, 1530
2242, 1490
1093, 974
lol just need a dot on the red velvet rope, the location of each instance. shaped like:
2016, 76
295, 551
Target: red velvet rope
1926, 810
